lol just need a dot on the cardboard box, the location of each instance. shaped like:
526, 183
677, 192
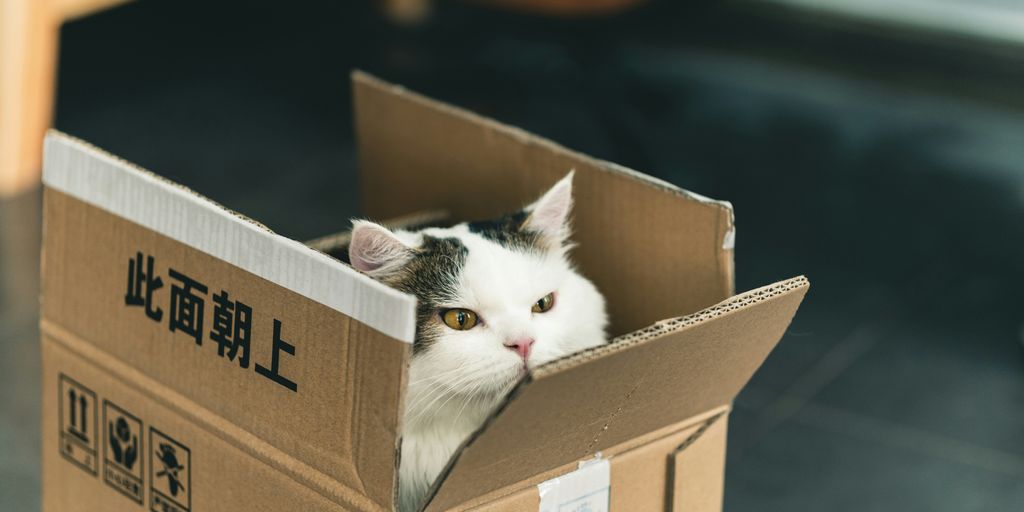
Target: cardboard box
195, 361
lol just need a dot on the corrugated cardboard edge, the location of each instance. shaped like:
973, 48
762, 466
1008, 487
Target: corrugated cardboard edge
124, 189
527, 138
675, 324
618, 344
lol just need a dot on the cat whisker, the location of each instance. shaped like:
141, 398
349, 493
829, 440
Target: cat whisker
448, 391
440, 391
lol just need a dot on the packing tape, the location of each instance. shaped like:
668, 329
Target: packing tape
587, 488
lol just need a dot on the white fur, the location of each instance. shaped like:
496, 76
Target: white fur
458, 380
455, 384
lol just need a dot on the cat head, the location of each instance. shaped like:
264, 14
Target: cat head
494, 297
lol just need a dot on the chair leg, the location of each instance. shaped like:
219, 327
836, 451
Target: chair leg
28, 57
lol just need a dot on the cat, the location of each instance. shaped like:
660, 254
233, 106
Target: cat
495, 298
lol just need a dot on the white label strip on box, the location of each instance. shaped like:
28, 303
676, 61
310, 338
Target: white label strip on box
584, 490
98, 178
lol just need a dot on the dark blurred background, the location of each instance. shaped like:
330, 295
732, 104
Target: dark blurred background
877, 147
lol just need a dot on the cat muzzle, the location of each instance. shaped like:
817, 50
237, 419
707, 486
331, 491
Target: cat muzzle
521, 346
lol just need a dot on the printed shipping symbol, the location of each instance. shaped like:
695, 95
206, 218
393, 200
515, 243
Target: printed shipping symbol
170, 474
123, 460
79, 425
120, 434
169, 458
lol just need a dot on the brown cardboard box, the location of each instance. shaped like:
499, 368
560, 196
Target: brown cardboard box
194, 360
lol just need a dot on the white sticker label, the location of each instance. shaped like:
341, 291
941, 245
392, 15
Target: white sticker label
584, 490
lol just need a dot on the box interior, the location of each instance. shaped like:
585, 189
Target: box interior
654, 250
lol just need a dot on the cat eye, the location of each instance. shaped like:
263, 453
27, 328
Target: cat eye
544, 304
459, 319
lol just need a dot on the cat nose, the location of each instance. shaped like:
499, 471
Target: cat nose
521, 346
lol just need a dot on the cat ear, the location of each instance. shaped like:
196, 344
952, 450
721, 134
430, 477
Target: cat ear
549, 216
375, 250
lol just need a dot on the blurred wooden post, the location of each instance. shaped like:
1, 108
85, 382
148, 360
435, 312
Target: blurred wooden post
29, 30
28, 56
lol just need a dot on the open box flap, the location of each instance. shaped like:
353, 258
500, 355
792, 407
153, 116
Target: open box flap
330, 406
655, 377
653, 249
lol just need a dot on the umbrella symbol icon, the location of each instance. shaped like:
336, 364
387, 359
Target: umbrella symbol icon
168, 457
